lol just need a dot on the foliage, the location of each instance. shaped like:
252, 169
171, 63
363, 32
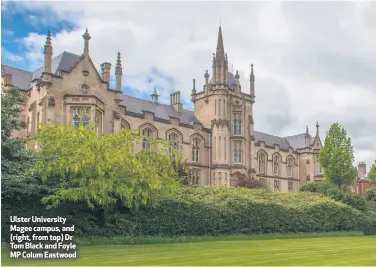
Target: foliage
371, 194
330, 190
102, 170
337, 157
372, 172
249, 181
369, 226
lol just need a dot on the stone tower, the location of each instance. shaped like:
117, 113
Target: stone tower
227, 111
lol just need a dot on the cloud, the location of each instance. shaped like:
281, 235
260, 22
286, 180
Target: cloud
313, 60
10, 56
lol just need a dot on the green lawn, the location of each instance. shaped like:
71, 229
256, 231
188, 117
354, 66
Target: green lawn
346, 251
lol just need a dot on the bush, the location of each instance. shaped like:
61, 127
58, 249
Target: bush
199, 211
369, 226
329, 190
371, 194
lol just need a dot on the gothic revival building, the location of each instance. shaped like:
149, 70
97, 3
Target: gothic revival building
217, 139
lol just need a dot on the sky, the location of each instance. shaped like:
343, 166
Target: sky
313, 61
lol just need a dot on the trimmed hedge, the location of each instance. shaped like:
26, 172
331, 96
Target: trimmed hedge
198, 211
371, 194
356, 201
217, 211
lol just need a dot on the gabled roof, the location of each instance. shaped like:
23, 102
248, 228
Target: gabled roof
294, 141
271, 140
161, 111
20, 78
62, 62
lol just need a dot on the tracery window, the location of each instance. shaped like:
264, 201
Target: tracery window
238, 152
147, 133
81, 115
98, 121
195, 149
290, 167
276, 185
262, 162
237, 123
276, 162
173, 138
195, 177
318, 166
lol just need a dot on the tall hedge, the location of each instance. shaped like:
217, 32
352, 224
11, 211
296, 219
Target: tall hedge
214, 211
354, 200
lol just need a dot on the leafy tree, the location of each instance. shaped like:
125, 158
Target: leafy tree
337, 157
15, 159
103, 170
372, 172
250, 182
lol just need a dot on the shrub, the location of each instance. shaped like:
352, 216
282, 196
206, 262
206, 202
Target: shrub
371, 194
369, 226
329, 190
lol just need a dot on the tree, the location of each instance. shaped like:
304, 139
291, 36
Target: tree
337, 157
81, 164
250, 182
372, 172
15, 159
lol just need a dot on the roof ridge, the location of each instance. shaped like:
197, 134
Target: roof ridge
153, 102
293, 135
16, 68
270, 134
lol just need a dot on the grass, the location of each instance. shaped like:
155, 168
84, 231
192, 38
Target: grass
353, 250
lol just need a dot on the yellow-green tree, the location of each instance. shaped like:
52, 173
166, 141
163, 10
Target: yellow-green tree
372, 172
337, 157
80, 164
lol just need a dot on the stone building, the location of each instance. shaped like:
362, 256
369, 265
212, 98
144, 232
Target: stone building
217, 139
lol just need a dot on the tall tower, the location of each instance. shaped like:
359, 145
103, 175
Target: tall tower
227, 111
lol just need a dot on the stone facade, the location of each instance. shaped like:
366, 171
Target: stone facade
217, 139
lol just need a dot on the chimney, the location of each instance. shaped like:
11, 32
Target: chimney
105, 70
362, 168
7, 79
175, 101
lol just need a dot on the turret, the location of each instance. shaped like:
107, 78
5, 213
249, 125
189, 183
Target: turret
154, 96
307, 138
252, 82
193, 95
87, 38
206, 76
118, 72
48, 54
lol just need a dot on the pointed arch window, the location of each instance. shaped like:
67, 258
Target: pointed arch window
237, 130
318, 165
238, 156
219, 107
98, 121
290, 167
173, 138
147, 134
262, 163
276, 162
195, 176
81, 115
196, 149
224, 147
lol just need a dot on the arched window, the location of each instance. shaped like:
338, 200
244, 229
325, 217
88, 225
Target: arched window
224, 147
237, 123
290, 167
238, 157
215, 148
262, 162
173, 138
219, 148
195, 149
98, 121
318, 166
147, 133
124, 125
276, 165
195, 176
80, 115
219, 107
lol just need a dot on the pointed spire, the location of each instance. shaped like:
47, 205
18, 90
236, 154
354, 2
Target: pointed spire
154, 95
220, 54
317, 128
48, 53
306, 132
86, 37
252, 81
118, 72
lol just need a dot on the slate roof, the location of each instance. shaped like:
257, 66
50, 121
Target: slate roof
230, 79
63, 62
271, 140
162, 111
20, 78
294, 141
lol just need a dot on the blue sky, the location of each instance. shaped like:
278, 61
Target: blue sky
18, 23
